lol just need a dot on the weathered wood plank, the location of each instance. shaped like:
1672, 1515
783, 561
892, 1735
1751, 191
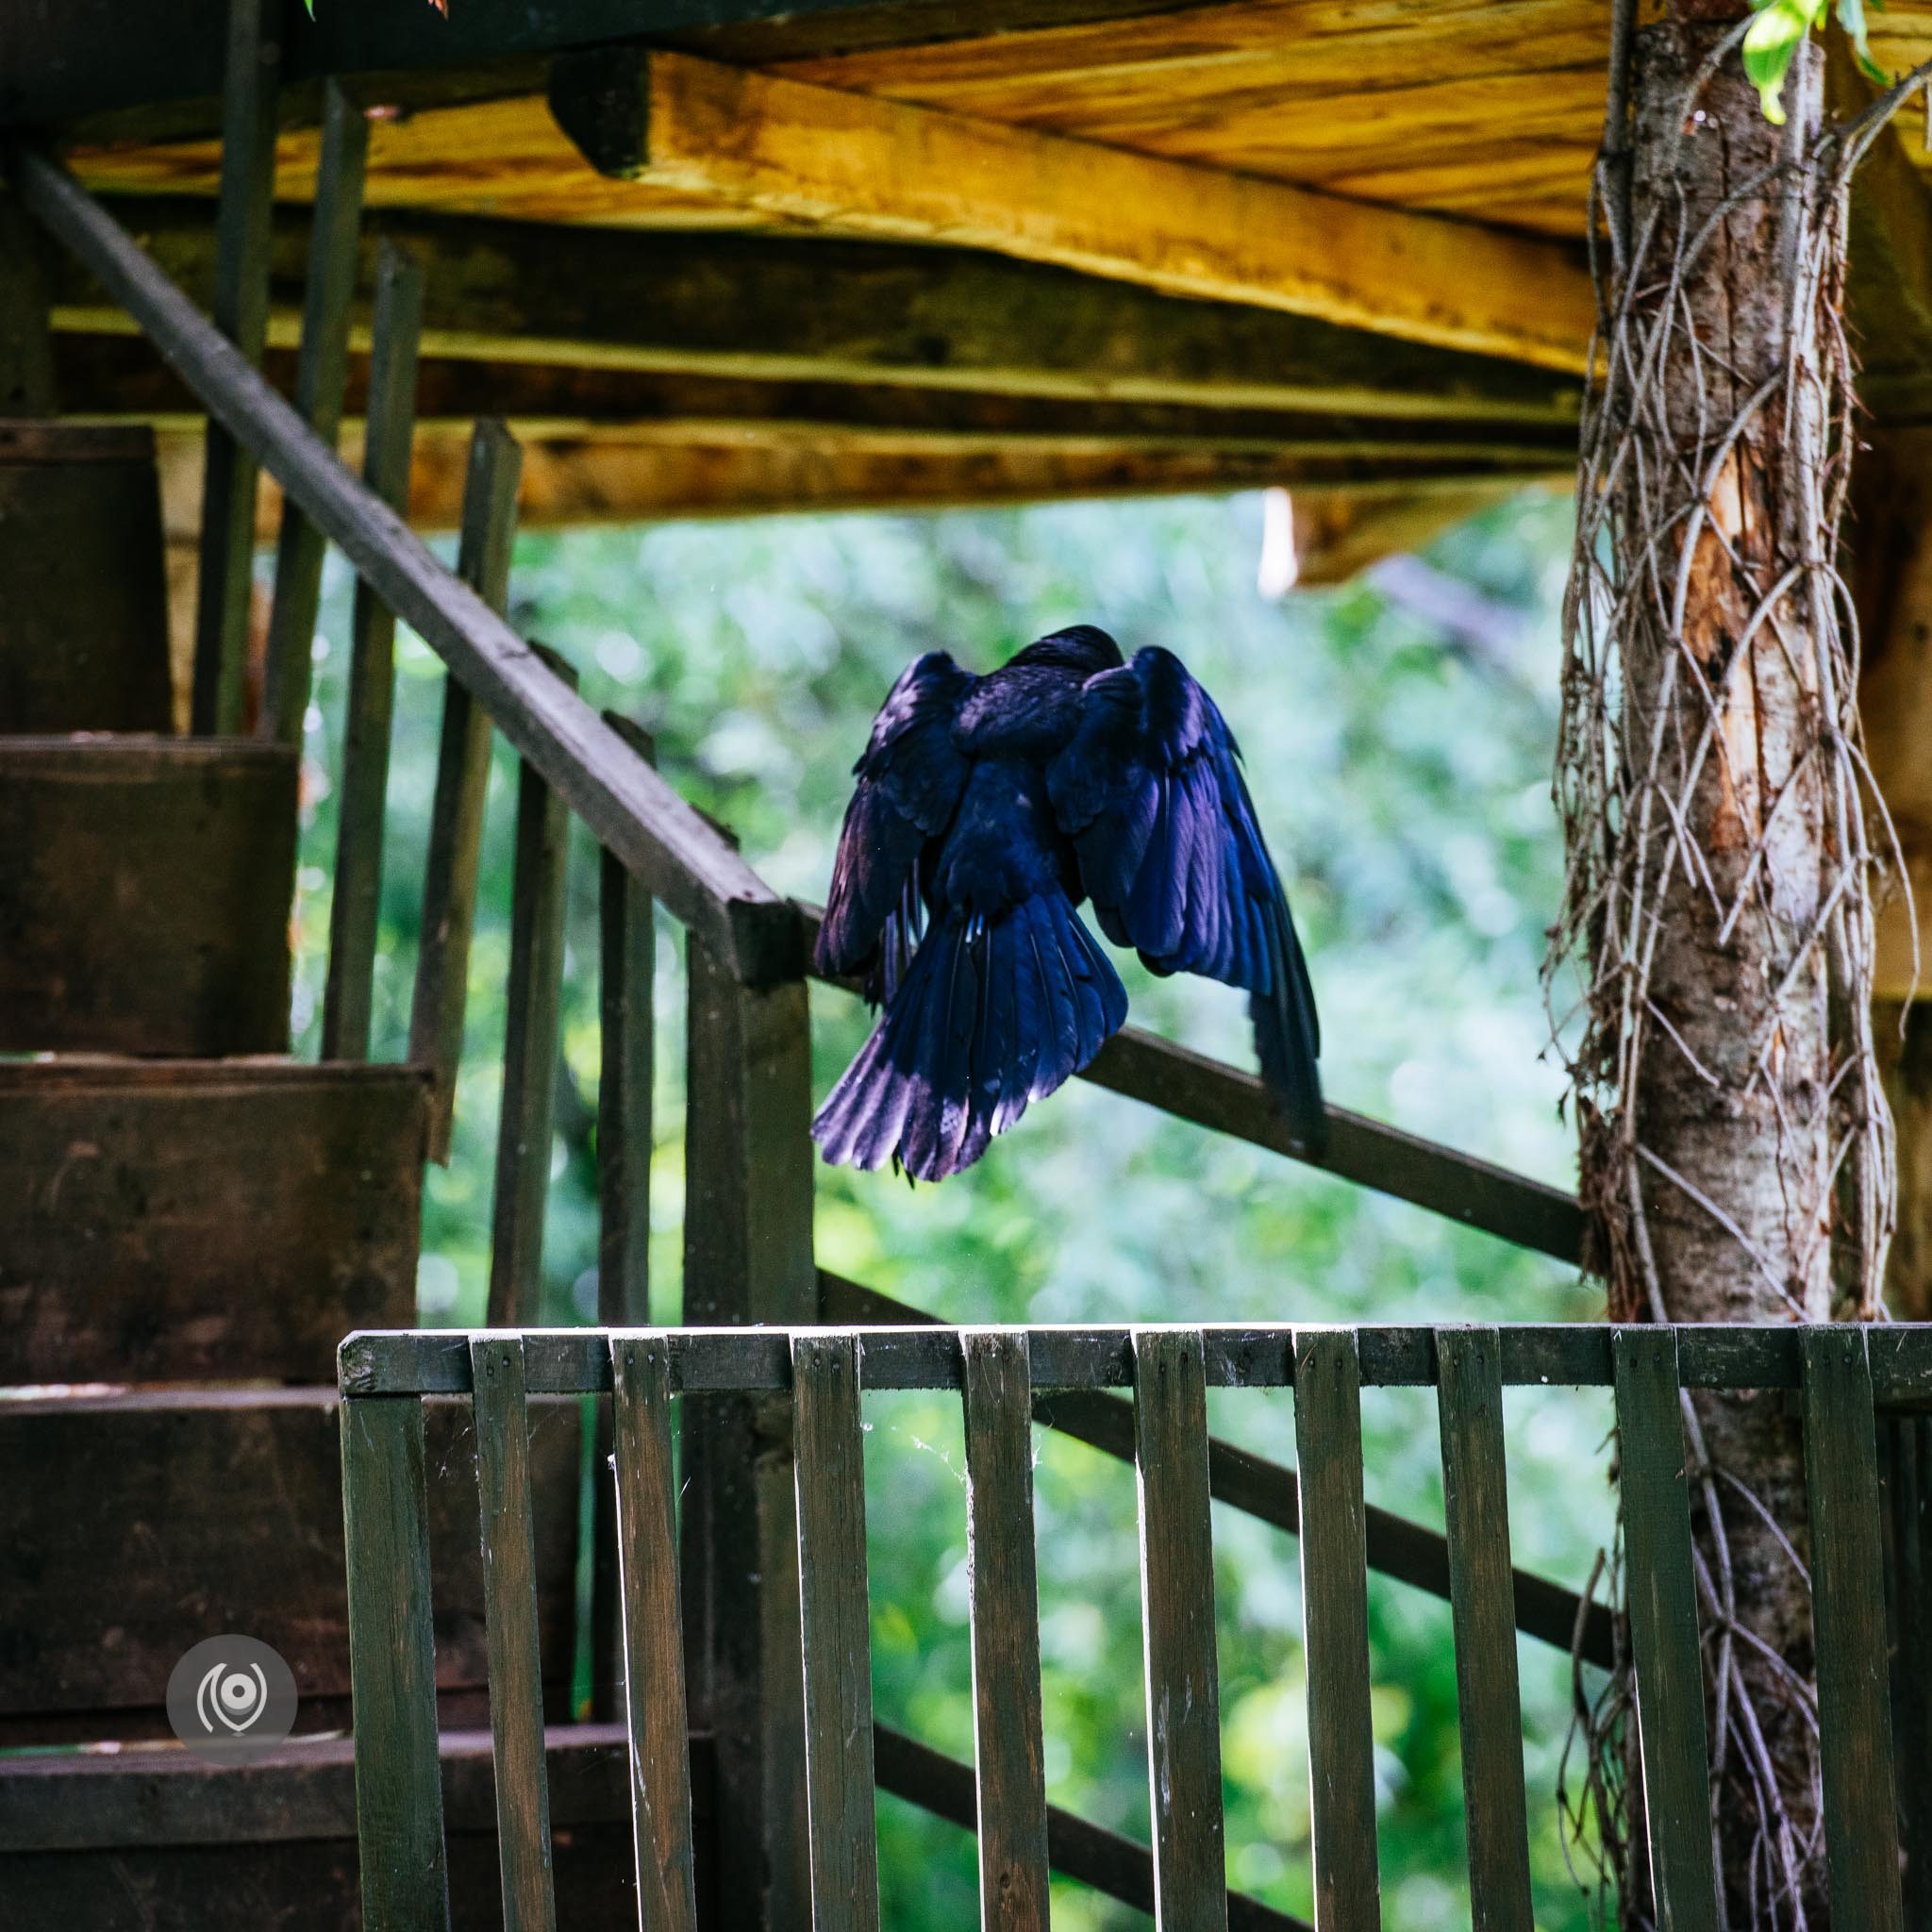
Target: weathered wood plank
835, 1623
1848, 1619
532, 1048
1662, 1598
392, 1667
1911, 1441
356, 903
777, 309
626, 989
646, 1542
84, 623
1177, 1629
92, 958
747, 1258
27, 357
462, 782
792, 149
628, 808
627, 964
1335, 1625
156, 1475
74, 62
132, 1201
516, 1657
249, 89
1010, 1756
1476, 1503
320, 379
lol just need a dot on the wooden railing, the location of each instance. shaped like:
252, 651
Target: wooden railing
1838, 1374
748, 1245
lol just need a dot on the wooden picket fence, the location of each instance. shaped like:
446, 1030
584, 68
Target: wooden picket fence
1839, 1376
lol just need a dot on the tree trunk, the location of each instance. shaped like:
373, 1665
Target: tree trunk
1728, 1114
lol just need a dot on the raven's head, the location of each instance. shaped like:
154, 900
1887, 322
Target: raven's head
1083, 648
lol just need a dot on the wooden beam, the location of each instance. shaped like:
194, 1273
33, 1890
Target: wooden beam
780, 309
574, 482
113, 379
95, 57
864, 164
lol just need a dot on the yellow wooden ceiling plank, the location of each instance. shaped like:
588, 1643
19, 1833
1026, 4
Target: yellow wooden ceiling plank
1258, 132
502, 157
870, 165
1306, 41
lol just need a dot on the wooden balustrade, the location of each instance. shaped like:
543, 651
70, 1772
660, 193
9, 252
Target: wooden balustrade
1840, 1374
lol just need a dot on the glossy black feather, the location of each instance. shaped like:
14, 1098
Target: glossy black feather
987, 809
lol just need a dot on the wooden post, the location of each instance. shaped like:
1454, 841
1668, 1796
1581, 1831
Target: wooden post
26, 354
747, 1257
321, 375
356, 906
462, 783
628, 962
532, 1010
240, 312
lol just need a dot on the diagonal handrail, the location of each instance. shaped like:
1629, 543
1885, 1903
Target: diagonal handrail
1270, 1491
634, 813
1193, 1087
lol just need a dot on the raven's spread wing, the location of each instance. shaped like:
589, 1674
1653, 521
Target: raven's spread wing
910, 776
1150, 790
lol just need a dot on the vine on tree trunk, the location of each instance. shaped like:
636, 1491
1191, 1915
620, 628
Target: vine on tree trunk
1710, 970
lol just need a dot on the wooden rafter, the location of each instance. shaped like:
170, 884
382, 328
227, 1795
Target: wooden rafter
855, 162
781, 308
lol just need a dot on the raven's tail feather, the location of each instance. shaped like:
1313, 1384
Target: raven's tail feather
985, 1018
1288, 1036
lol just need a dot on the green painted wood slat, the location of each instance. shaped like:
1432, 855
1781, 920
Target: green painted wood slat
1911, 1444
1477, 1506
356, 903
830, 1473
392, 1667
646, 1540
249, 95
1177, 1630
531, 1050
1848, 1620
509, 1608
628, 931
322, 372
462, 781
627, 961
1335, 1629
1009, 1760
1662, 1596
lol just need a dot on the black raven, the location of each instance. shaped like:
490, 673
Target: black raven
987, 809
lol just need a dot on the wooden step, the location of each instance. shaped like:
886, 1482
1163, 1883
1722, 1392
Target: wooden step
136, 1524
153, 1839
84, 613
145, 894
173, 1221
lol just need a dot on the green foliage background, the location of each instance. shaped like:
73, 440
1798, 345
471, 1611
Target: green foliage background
1404, 782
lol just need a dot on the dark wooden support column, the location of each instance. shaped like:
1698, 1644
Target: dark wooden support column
747, 1257
241, 311
320, 378
26, 353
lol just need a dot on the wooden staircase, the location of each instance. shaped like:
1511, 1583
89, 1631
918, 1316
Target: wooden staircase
189, 1221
